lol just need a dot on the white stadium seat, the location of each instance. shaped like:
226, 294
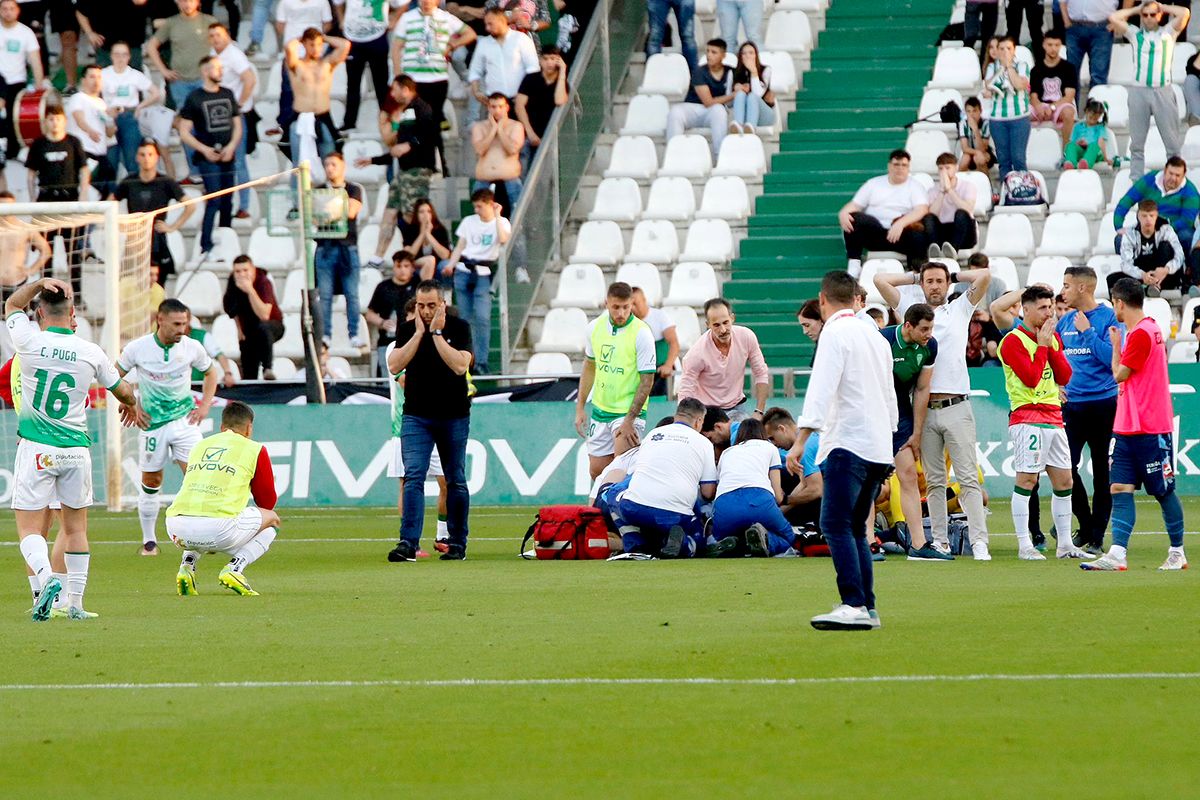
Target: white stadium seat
226, 248
633, 157
873, 267
1191, 146
293, 292
725, 197
741, 155
368, 236
1024, 56
580, 286
1182, 352
368, 279
1079, 190
956, 68
202, 292
617, 199
1180, 56
284, 369
925, 147
687, 156
1009, 235
670, 198
647, 115
645, 277
224, 330
692, 284
1105, 236
983, 192
655, 241
1117, 99
1160, 311
340, 346
364, 148
789, 31
1156, 151
1185, 321
687, 325
264, 161
1121, 184
1048, 270
1120, 65
708, 240
599, 242
933, 100
563, 331
1065, 234
667, 74
1004, 270
783, 71
292, 343
557, 364
1044, 150
271, 252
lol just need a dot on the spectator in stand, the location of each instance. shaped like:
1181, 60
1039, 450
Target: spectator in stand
541, 93
714, 368
996, 286
146, 191
1008, 90
748, 12
1034, 11
975, 138
423, 42
426, 240
88, 121
950, 223
386, 309
502, 60
260, 15
1151, 253
292, 19
1053, 86
753, 100
19, 51
480, 237
1176, 196
58, 172
310, 70
1089, 139
365, 24
106, 22
336, 260
239, 76
530, 17
126, 91
1088, 34
497, 141
250, 302
66, 25
210, 124
15, 247
685, 24
707, 99
886, 213
666, 340
408, 131
979, 24
1151, 92
186, 34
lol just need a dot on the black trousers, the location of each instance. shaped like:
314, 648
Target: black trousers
1176, 280
373, 54
1034, 11
961, 233
435, 93
235, 14
8, 124
1091, 424
258, 348
869, 234
980, 25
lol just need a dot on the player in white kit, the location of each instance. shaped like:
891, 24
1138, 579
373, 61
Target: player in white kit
167, 413
53, 460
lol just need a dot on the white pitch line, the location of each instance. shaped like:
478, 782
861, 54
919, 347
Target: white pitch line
538, 682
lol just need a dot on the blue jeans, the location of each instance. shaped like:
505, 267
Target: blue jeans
1095, 41
1011, 137
685, 19
729, 12
128, 139
179, 94
735, 511
216, 176
650, 527
851, 486
258, 22
751, 109
473, 296
418, 437
337, 264
513, 186
240, 169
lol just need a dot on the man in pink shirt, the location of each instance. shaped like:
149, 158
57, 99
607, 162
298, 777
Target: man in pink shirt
1142, 452
714, 369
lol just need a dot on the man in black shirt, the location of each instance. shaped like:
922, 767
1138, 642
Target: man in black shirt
434, 352
58, 172
541, 93
1053, 85
149, 191
707, 99
336, 260
386, 308
211, 124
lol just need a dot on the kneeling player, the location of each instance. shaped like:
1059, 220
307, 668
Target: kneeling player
210, 514
1034, 367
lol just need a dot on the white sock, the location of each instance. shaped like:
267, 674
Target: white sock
854, 267
1020, 518
61, 600
37, 556
1117, 552
77, 575
253, 550
1175, 550
35, 586
190, 558
1060, 509
442, 531
148, 513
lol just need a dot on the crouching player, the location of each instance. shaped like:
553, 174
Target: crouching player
210, 514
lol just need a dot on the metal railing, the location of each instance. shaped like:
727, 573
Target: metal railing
552, 182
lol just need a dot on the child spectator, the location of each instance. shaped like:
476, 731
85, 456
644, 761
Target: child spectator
386, 308
1089, 139
753, 100
480, 237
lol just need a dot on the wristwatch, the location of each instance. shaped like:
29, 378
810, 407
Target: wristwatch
436, 331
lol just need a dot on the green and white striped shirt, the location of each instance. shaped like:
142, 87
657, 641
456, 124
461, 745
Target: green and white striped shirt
426, 39
1008, 102
1152, 53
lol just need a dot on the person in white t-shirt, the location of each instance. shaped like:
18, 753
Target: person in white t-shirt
656, 515
126, 92
749, 491
292, 18
19, 51
480, 237
887, 213
239, 76
666, 341
88, 121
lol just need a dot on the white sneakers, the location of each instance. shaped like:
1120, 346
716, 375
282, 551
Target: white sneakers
1105, 563
979, 551
846, 618
1071, 551
1175, 560
1029, 554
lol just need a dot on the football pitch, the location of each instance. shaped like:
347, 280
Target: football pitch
498, 678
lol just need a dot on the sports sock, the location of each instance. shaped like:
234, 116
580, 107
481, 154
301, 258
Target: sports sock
148, 513
190, 558
1020, 517
1124, 516
1172, 512
61, 600
1060, 509
854, 267
252, 550
442, 531
1174, 549
77, 575
1118, 552
35, 586
37, 556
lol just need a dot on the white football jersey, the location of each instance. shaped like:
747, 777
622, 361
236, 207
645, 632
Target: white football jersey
164, 375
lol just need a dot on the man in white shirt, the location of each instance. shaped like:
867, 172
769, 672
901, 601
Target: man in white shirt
239, 76
950, 423
851, 402
88, 121
18, 50
887, 213
126, 92
656, 515
480, 237
502, 60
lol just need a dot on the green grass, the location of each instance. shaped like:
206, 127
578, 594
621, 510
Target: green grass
335, 611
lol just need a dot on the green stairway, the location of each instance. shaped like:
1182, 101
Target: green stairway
868, 72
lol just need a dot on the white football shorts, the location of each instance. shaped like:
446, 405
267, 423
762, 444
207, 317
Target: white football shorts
215, 534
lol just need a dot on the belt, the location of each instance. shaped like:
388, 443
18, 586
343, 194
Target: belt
946, 402
1089, 23
738, 403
